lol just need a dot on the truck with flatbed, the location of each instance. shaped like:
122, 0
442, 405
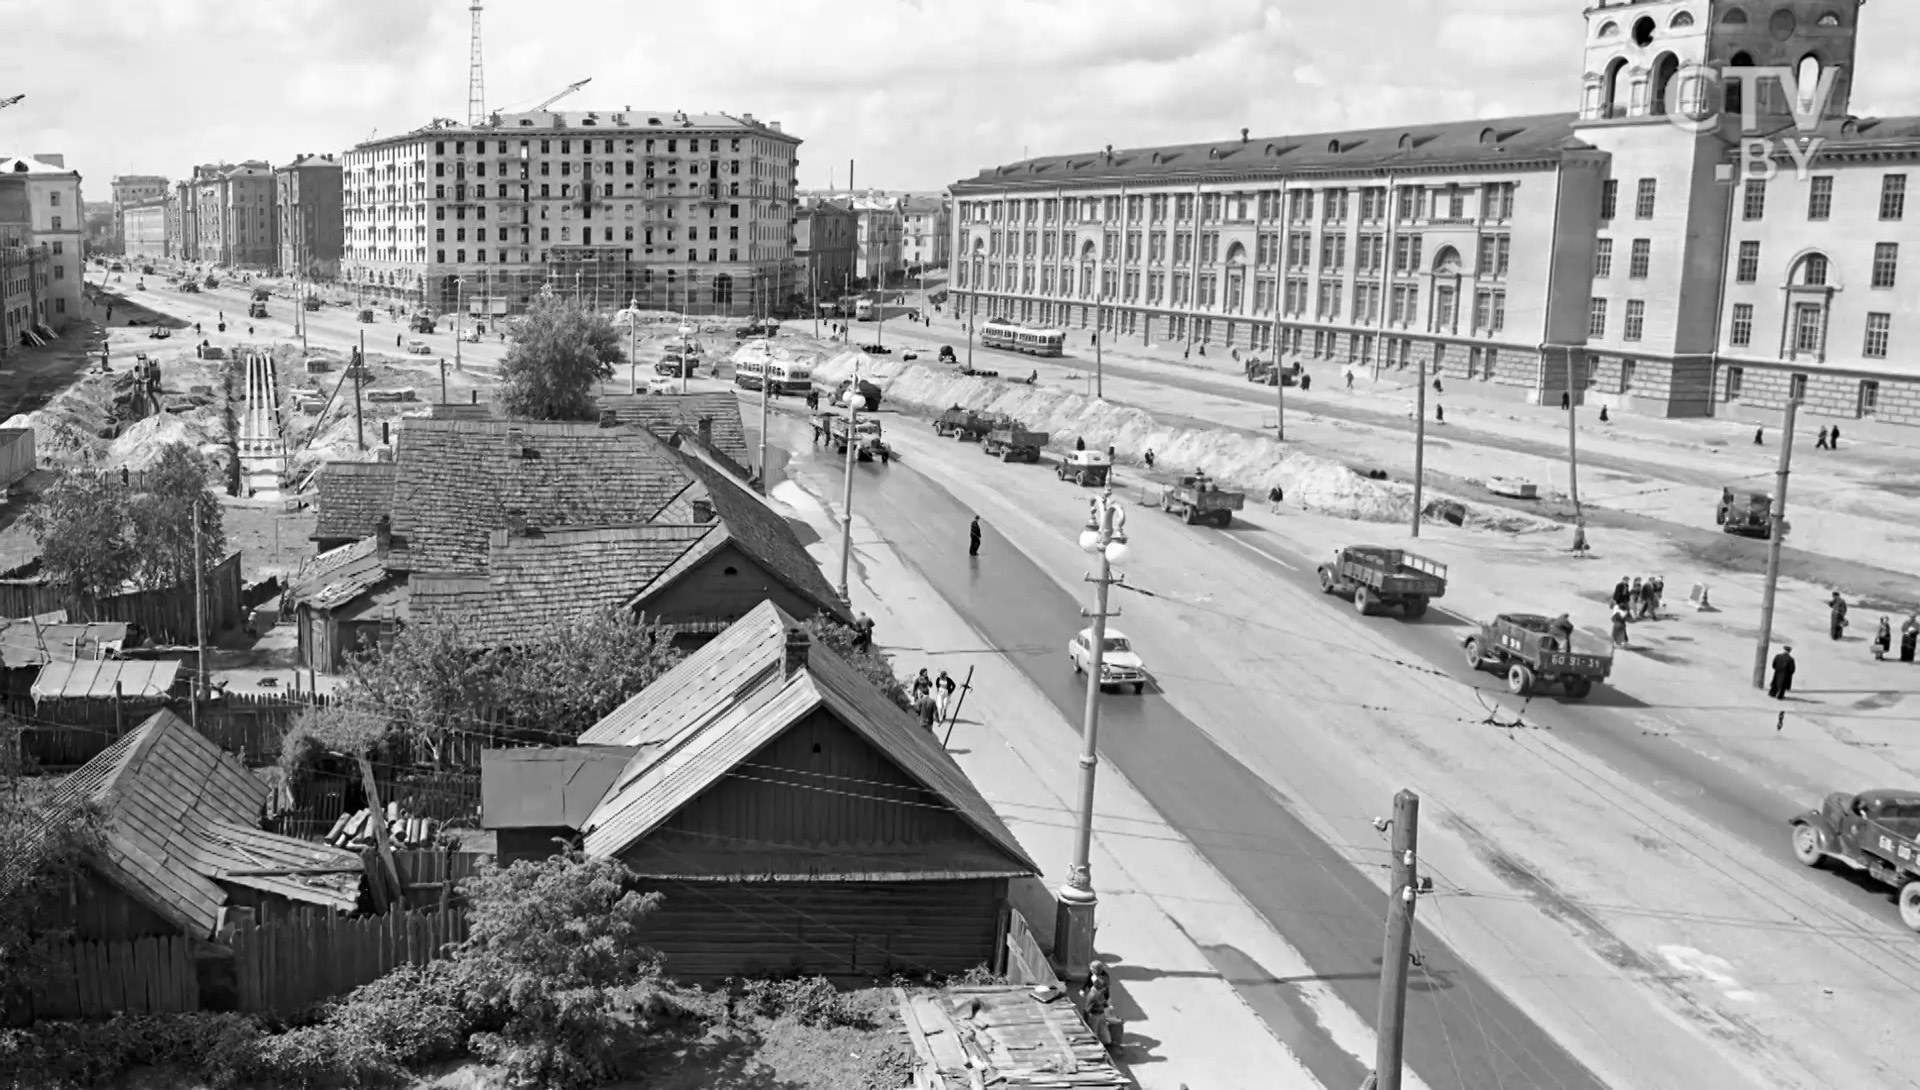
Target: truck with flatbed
1197, 499
1875, 833
866, 436
966, 425
1011, 442
1536, 652
1745, 512
1086, 468
1375, 576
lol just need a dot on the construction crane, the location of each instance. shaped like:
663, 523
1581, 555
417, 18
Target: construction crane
6, 102
571, 88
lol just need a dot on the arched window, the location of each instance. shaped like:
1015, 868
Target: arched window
1828, 19
1665, 67
1734, 17
1446, 262
1682, 20
1811, 272
1613, 96
1643, 29
1734, 91
1236, 254
1807, 82
1608, 30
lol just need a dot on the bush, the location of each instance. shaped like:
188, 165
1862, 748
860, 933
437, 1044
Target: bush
810, 1001
414, 1015
219, 1047
322, 1058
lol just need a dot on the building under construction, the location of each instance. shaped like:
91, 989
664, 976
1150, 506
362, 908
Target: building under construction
677, 211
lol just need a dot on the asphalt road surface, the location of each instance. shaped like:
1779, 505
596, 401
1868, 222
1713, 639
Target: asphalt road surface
1333, 913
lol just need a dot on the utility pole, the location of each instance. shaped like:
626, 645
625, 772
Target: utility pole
199, 613
1419, 445
459, 287
846, 500
1099, 349
1279, 377
633, 360
443, 380
358, 369
1105, 537
1778, 518
1402, 888
766, 381
1573, 441
973, 307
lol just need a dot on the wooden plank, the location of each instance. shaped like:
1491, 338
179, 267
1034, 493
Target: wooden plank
380, 830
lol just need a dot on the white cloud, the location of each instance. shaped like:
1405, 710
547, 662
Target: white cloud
920, 92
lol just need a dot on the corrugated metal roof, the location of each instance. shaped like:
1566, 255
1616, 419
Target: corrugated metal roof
26, 643
94, 679
708, 681
549, 787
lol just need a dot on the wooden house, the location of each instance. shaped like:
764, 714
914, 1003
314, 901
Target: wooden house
183, 852
796, 819
353, 498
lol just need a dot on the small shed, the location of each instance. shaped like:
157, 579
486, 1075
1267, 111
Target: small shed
531, 797
102, 679
1004, 1036
17, 460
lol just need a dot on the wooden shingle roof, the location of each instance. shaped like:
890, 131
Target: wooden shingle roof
668, 414
183, 816
734, 696
354, 497
331, 579
766, 535
458, 479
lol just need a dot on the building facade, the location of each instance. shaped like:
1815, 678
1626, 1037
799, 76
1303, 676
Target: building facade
182, 238
130, 190
1616, 250
233, 217
307, 200
56, 221
823, 243
877, 235
143, 228
927, 231
24, 280
676, 210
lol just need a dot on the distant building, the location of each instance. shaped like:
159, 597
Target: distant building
925, 241
143, 228
24, 280
677, 210
233, 211
131, 190
57, 222
876, 246
182, 239
307, 200
823, 243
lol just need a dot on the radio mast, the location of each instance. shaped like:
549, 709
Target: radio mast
476, 76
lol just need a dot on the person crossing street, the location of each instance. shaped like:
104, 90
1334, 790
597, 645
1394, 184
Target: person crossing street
973, 537
1783, 667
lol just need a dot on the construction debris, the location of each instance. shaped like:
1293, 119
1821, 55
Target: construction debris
1004, 1036
356, 830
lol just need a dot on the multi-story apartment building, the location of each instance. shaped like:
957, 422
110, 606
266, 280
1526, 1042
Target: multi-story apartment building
877, 236
24, 278
57, 222
1617, 249
307, 198
143, 228
130, 190
823, 244
927, 231
233, 212
183, 241
673, 209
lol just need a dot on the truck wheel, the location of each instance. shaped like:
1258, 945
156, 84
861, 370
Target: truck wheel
1578, 687
1326, 581
1806, 845
1519, 680
1189, 516
1139, 687
1362, 601
1416, 608
1006, 456
1910, 905
1225, 520
1475, 659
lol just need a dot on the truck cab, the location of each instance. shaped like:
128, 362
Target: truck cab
1876, 832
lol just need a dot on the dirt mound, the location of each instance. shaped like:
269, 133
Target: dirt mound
141, 445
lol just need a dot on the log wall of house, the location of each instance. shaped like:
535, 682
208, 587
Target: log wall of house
726, 586
845, 930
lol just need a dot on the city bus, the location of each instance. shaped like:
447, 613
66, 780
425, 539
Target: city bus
870, 310
787, 377
1002, 334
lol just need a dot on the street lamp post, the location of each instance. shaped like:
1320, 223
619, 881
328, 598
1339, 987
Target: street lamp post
459, 286
1105, 537
852, 401
633, 360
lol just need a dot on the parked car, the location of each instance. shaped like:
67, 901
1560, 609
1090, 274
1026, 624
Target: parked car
946, 354
1119, 664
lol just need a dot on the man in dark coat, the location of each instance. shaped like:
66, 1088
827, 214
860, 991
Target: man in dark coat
1836, 616
1622, 592
973, 537
1782, 674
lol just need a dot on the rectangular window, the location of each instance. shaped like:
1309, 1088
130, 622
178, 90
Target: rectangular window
1740, 335
1640, 259
1636, 319
1753, 199
1797, 387
1609, 199
1808, 318
1603, 259
1820, 198
1736, 377
1893, 196
1879, 330
1643, 199
1597, 318
1869, 397
1747, 267
1886, 263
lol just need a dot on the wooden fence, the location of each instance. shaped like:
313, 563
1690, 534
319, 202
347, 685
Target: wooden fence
98, 979
1026, 962
287, 967
165, 615
69, 733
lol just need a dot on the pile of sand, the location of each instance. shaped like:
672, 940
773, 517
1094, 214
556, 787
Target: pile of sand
141, 445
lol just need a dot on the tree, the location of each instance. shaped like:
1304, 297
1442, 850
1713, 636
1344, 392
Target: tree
559, 351
43, 846
173, 493
425, 682
873, 665
80, 524
580, 669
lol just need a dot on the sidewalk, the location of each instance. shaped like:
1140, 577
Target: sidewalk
1162, 908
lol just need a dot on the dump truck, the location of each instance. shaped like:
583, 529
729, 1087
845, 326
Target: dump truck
1374, 576
966, 425
869, 395
1086, 468
420, 322
366, 314
1012, 443
256, 309
1197, 499
868, 442
1525, 647
261, 295
311, 302
1876, 833
1745, 512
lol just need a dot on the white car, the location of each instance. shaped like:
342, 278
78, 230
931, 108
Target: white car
1118, 663
663, 384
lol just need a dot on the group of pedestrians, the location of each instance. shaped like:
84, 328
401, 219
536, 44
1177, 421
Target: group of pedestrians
1636, 599
1909, 637
932, 697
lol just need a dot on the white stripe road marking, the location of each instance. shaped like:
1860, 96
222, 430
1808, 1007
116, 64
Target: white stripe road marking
1255, 548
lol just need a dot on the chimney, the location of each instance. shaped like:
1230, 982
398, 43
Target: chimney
609, 418
383, 536
516, 522
516, 443
702, 510
797, 644
706, 430
1243, 135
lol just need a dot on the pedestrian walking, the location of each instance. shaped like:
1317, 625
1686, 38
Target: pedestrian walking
1782, 681
1079, 444
249, 331
196, 329
1619, 619
396, 340
1636, 599
1149, 458
1882, 639
1833, 440
1439, 414
922, 684
1349, 378
1759, 437
1603, 414
943, 688
1620, 591
1566, 401
1306, 382
1580, 536
863, 632
1274, 496
1909, 637
1656, 594
973, 537
1820, 441
222, 327
1436, 386
1836, 616
929, 715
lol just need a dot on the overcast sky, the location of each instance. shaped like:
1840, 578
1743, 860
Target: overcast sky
920, 92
